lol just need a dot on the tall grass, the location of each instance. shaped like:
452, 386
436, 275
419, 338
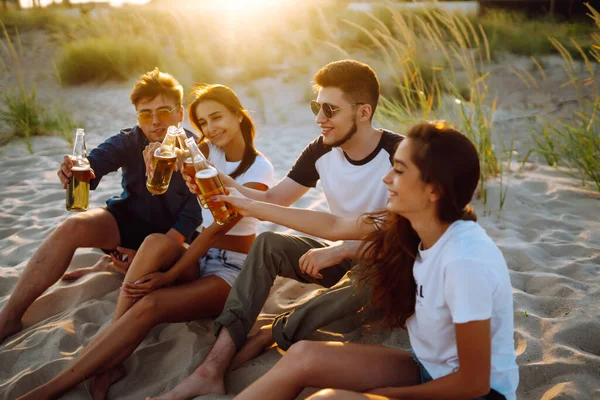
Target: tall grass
572, 145
100, 59
22, 115
426, 54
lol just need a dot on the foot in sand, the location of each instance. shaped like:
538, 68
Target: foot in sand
102, 382
255, 345
9, 327
103, 264
201, 382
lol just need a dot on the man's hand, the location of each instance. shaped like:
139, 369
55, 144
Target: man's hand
122, 257
241, 203
148, 154
146, 284
315, 260
64, 172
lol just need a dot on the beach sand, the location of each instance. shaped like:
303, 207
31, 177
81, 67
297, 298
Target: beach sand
549, 232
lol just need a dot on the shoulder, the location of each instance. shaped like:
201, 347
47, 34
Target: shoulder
262, 162
316, 149
389, 140
470, 247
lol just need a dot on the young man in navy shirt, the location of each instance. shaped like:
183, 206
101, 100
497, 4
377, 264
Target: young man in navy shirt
128, 218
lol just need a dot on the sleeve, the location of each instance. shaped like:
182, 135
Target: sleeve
190, 217
108, 156
261, 171
304, 170
469, 287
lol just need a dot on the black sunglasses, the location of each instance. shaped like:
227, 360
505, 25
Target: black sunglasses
328, 109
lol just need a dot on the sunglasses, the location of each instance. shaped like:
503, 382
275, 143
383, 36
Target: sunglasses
328, 109
162, 114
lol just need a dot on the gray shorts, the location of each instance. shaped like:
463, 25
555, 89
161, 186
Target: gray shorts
223, 263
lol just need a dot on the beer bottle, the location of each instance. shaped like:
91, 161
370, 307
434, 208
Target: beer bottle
195, 162
164, 163
209, 183
78, 188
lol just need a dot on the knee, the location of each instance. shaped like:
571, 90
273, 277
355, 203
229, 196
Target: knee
267, 241
147, 309
303, 356
157, 243
327, 394
156, 240
74, 227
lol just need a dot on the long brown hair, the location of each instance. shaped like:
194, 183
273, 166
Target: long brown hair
227, 97
448, 160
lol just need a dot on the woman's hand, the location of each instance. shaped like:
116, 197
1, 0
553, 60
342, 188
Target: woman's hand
146, 284
241, 203
148, 154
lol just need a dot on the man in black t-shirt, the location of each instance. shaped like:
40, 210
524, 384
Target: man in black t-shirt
346, 158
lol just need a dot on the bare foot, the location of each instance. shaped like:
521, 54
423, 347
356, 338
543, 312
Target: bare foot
103, 264
102, 382
255, 345
9, 327
199, 383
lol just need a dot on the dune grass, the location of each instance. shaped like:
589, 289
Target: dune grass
22, 115
100, 59
572, 145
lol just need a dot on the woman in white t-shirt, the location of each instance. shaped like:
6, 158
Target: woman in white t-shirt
431, 268
166, 282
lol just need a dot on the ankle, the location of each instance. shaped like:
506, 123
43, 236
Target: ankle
209, 372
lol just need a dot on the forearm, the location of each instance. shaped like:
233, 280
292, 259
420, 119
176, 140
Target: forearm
316, 223
350, 249
453, 386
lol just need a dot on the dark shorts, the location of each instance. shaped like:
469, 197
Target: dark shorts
425, 377
132, 230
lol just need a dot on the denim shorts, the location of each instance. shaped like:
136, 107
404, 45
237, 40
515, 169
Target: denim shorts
425, 377
223, 263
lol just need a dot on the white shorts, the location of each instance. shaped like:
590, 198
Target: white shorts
223, 263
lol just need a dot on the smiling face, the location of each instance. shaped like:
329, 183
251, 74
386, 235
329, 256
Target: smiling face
408, 194
342, 125
156, 130
218, 123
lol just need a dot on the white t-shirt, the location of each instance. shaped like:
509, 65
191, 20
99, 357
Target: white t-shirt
261, 171
463, 277
351, 187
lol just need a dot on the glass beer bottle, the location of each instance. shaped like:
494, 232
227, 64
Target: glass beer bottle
164, 163
78, 188
209, 183
194, 163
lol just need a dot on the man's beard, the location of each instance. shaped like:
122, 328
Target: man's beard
346, 137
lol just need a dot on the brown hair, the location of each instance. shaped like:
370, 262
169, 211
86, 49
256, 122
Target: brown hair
448, 160
227, 97
357, 80
155, 83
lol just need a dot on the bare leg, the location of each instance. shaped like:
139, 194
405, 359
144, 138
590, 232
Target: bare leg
255, 345
201, 298
209, 377
95, 228
158, 252
335, 394
103, 264
350, 366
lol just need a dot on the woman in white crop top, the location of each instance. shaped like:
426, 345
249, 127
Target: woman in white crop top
165, 282
432, 269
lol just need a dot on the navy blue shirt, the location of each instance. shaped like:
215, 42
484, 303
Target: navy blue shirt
178, 208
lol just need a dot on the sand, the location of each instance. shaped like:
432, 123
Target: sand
548, 230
